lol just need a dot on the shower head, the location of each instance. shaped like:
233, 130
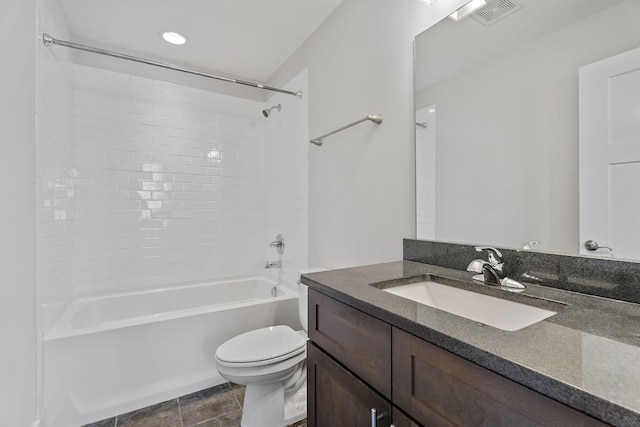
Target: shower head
267, 111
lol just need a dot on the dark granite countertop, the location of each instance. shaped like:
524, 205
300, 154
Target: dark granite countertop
587, 356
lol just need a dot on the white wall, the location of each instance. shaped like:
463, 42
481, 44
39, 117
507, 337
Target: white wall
286, 181
54, 172
54, 178
507, 134
361, 181
17, 227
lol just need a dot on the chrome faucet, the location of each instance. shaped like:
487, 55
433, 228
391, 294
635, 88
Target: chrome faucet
273, 264
491, 270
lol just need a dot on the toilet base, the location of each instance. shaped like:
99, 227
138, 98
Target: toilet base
295, 405
265, 405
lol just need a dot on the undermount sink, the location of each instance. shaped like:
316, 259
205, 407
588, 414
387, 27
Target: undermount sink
496, 312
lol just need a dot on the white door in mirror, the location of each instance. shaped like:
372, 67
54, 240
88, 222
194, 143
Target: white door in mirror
496, 312
610, 156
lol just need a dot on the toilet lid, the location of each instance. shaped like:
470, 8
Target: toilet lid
261, 345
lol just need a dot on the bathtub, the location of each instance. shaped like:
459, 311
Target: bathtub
110, 355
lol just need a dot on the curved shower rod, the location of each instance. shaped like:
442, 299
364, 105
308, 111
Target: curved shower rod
48, 41
375, 118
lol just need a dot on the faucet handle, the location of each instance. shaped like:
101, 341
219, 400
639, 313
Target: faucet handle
495, 256
278, 244
529, 245
476, 265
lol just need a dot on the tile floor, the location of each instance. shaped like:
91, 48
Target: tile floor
219, 406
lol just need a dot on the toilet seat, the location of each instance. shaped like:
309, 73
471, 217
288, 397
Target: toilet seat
261, 347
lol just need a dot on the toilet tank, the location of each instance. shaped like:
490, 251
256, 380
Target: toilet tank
303, 297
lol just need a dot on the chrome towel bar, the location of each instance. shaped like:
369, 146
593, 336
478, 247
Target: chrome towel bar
375, 118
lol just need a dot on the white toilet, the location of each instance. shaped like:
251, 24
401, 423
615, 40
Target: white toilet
271, 363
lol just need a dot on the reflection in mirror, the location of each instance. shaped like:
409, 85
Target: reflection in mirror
500, 165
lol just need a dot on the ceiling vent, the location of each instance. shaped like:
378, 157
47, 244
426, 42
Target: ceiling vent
495, 10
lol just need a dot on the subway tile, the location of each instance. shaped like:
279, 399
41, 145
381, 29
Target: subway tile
203, 163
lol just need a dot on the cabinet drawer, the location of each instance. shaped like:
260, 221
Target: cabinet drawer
360, 342
439, 388
337, 398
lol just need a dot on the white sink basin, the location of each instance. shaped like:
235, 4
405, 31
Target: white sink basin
496, 312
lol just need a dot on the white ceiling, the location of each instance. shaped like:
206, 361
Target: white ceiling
449, 47
247, 39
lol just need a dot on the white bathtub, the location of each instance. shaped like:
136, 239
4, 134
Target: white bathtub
110, 355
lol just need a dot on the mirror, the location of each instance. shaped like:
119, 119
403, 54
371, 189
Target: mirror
497, 119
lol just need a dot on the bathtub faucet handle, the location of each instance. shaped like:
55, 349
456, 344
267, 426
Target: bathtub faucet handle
273, 264
278, 244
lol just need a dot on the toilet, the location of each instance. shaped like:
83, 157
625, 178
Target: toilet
270, 362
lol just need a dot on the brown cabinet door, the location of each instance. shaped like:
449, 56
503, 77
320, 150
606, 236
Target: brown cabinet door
353, 338
439, 388
401, 420
336, 398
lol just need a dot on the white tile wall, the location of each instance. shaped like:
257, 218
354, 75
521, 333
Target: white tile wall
286, 152
170, 183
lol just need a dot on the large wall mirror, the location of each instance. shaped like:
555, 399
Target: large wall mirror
500, 123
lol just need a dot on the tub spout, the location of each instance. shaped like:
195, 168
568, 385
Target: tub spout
273, 264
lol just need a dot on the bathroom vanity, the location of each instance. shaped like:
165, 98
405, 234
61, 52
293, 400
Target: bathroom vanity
375, 358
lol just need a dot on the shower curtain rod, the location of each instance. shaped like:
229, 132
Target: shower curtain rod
48, 41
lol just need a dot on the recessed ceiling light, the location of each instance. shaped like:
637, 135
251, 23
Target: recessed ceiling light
173, 37
429, 2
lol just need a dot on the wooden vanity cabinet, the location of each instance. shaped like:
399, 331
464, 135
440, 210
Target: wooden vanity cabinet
353, 338
401, 420
357, 362
439, 388
338, 398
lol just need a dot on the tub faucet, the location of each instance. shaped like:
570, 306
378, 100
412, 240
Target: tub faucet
278, 244
273, 264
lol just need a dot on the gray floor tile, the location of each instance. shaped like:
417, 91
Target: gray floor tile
238, 392
165, 414
111, 422
208, 404
219, 406
231, 419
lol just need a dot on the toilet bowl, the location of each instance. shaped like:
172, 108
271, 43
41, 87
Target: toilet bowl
270, 362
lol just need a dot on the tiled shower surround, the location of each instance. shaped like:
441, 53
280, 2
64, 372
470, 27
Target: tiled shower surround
146, 183
169, 184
